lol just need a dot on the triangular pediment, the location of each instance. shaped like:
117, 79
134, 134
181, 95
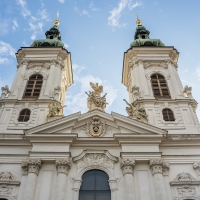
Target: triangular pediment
81, 124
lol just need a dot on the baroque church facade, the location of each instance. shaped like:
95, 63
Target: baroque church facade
150, 154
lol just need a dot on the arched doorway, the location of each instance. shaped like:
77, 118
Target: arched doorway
95, 186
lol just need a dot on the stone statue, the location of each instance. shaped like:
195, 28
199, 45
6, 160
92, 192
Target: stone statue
135, 90
187, 91
5, 92
55, 109
136, 111
95, 101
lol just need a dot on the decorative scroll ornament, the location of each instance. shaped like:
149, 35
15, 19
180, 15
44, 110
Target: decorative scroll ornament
32, 165
187, 192
95, 101
55, 109
63, 165
6, 192
127, 166
6, 176
95, 160
136, 111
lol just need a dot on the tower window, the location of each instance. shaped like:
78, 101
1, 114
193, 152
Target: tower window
168, 114
95, 186
24, 115
33, 86
159, 86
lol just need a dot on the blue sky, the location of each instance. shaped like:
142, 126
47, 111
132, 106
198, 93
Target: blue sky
97, 33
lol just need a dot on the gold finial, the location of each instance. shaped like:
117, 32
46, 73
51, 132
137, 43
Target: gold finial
138, 21
56, 22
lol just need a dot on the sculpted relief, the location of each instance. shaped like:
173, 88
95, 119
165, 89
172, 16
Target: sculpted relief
95, 101
96, 128
136, 111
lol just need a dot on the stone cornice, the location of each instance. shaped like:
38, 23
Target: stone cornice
181, 137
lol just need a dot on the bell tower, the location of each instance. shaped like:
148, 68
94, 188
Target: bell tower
150, 75
44, 73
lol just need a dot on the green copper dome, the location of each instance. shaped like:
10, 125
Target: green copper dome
53, 39
142, 38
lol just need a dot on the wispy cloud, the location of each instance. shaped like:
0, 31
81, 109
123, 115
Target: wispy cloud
115, 14
4, 24
24, 10
61, 1
43, 15
81, 12
15, 24
184, 71
92, 7
6, 52
78, 102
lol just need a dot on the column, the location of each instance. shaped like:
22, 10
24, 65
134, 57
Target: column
63, 166
50, 80
33, 166
76, 187
127, 167
156, 167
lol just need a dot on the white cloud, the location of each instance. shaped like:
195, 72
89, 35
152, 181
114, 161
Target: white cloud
66, 45
4, 61
92, 7
61, 1
6, 52
25, 12
43, 14
33, 37
15, 24
83, 12
78, 102
115, 14
134, 5
6, 49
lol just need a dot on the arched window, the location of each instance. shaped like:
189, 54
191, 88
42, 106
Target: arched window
33, 86
168, 114
24, 115
95, 186
159, 86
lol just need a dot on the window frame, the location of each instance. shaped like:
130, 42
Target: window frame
159, 87
34, 87
24, 115
166, 117
94, 191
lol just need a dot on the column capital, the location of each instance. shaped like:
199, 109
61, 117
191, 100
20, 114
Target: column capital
63, 165
32, 165
127, 166
157, 166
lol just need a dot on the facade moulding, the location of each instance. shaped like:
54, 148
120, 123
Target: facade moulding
95, 159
